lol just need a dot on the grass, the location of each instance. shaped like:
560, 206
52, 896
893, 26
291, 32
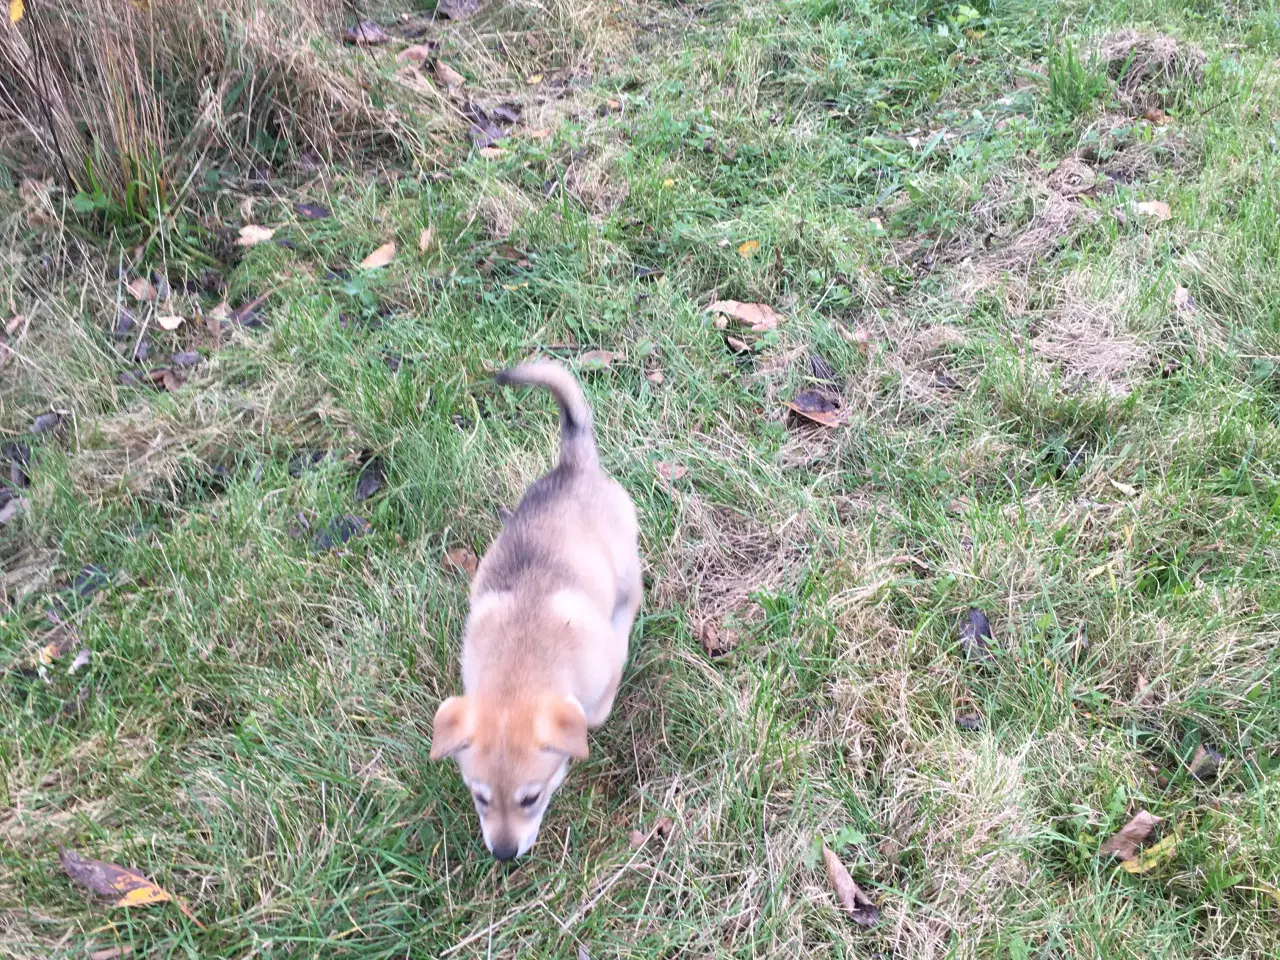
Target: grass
945, 201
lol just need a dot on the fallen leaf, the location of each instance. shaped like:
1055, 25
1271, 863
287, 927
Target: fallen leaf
541, 133
16, 9
716, 639
1184, 302
311, 211
1154, 115
655, 376
81, 660
185, 358
141, 290
1155, 208
1204, 762
46, 422
819, 407
448, 77
671, 183
12, 509
533, 79
861, 338
975, 635
670, 471
582, 953
737, 346
13, 323
112, 953
380, 257
125, 321
251, 235
424, 239
492, 153
598, 359
419, 53
1127, 489
758, 317
968, 721
1153, 856
1124, 843
128, 887
304, 459
457, 9
636, 839
747, 249
339, 531
366, 33
89, 581
170, 323
849, 895
460, 560
370, 480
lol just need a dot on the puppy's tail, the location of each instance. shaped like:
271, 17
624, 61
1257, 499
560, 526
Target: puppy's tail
577, 439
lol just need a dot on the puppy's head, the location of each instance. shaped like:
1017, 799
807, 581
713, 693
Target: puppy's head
513, 755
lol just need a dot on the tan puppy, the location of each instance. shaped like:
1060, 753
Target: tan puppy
551, 611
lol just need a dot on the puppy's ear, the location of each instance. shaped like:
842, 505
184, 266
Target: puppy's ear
562, 726
454, 723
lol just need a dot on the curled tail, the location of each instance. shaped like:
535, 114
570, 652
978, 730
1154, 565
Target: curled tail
577, 440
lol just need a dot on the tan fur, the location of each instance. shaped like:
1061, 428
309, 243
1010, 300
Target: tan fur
552, 606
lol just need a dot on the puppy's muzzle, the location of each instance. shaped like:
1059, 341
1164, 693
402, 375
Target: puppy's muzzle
505, 851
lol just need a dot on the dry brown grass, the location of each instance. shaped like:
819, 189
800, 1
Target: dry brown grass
1144, 64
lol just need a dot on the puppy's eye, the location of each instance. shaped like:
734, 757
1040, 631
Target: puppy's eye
480, 801
530, 801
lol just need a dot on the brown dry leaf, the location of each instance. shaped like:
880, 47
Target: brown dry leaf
1154, 115
819, 407
671, 471
1125, 488
12, 509
417, 54
861, 338
1124, 843
461, 560
424, 239
1204, 763
112, 953
14, 322
380, 257
716, 639
366, 33
746, 250
850, 896
251, 235
171, 322
1155, 208
636, 839
737, 346
448, 77
541, 133
172, 380
655, 376
492, 153
141, 289
758, 317
457, 9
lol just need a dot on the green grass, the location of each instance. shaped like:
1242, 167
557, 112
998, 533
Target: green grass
1033, 429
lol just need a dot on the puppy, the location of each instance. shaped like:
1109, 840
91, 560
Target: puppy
545, 642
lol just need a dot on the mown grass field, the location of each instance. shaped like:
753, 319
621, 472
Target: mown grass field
1059, 403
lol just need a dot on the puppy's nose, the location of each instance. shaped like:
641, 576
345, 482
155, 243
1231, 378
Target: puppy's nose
504, 851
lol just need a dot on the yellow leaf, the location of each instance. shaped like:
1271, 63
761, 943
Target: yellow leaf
668, 182
50, 653
380, 257
142, 895
1152, 857
424, 239
748, 248
169, 323
16, 9
1127, 489
534, 80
